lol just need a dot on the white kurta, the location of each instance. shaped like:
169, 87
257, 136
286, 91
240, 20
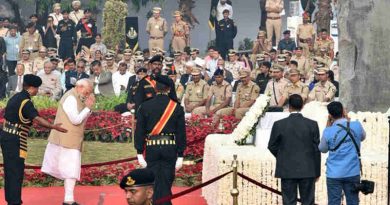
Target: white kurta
60, 162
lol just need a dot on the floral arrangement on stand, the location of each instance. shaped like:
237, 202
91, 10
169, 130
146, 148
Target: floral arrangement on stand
248, 124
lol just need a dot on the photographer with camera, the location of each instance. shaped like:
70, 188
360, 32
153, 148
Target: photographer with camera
342, 138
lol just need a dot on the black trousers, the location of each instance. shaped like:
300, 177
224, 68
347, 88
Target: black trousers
84, 42
65, 49
306, 191
223, 46
161, 160
11, 65
13, 168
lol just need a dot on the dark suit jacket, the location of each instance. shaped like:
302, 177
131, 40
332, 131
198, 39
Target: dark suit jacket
105, 83
294, 142
12, 84
184, 79
131, 86
72, 73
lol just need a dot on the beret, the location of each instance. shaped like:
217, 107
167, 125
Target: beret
32, 80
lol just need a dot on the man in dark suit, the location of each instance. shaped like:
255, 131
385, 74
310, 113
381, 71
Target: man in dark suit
72, 76
102, 80
15, 82
294, 142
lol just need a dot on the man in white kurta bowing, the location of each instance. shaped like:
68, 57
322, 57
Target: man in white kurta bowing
62, 158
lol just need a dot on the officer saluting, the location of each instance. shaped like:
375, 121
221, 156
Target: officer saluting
160, 133
146, 87
19, 116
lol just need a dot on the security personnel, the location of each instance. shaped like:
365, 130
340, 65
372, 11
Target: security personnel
264, 76
179, 88
225, 31
129, 60
157, 28
324, 90
196, 91
324, 41
247, 92
28, 64
275, 87
305, 34
160, 133
304, 66
180, 32
19, 115
88, 31
138, 186
31, 41
221, 91
274, 21
109, 63
147, 85
294, 87
67, 31
40, 60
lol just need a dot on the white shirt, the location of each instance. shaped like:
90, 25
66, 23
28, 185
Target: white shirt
19, 88
96, 90
56, 18
70, 109
221, 8
119, 80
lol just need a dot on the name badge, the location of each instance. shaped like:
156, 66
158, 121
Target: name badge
90, 25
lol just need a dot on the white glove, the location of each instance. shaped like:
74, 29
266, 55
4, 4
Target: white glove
141, 160
179, 163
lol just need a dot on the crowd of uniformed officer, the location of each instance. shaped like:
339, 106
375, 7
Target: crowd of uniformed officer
163, 88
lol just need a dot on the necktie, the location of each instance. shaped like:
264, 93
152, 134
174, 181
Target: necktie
19, 88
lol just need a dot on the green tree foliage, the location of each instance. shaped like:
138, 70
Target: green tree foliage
114, 14
246, 44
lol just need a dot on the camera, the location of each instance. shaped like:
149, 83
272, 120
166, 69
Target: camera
365, 186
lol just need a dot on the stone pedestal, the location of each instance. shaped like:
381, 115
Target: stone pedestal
364, 41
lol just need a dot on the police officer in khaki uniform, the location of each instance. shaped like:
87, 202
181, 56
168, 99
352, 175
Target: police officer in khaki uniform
28, 64
276, 86
179, 88
196, 92
157, 28
261, 44
31, 41
233, 65
220, 93
274, 21
129, 60
247, 92
324, 41
323, 91
305, 35
294, 87
180, 33
40, 60
109, 63
303, 62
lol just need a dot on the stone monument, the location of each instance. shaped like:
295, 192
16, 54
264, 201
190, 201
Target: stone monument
364, 46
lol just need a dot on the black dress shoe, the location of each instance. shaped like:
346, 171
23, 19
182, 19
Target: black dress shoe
74, 203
